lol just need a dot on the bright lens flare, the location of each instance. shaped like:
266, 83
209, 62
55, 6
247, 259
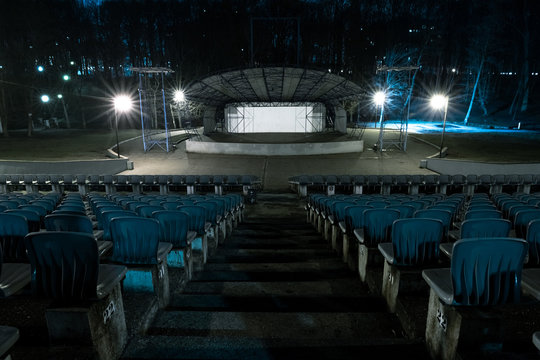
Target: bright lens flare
438, 101
45, 98
179, 96
379, 98
122, 103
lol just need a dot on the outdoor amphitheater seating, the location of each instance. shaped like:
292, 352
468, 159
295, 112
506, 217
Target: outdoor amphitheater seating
148, 210
354, 219
337, 215
377, 229
211, 217
405, 211
512, 211
13, 229
9, 204
66, 269
13, 276
522, 220
136, 244
104, 218
174, 229
484, 273
414, 244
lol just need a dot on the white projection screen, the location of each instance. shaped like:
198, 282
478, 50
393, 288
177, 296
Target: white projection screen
275, 118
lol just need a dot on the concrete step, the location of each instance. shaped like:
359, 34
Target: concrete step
204, 347
336, 287
320, 265
268, 303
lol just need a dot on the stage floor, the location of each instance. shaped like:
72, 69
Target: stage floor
279, 138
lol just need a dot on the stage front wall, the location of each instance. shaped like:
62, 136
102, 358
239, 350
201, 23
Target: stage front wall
274, 119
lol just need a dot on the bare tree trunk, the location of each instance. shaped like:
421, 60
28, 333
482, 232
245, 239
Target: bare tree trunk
482, 101
466, 120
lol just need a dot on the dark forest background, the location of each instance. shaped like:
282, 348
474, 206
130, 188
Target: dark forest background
484, 54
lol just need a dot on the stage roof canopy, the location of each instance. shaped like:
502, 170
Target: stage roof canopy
272, 85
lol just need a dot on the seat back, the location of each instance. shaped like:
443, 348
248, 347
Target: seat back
405, 211
443, 215
378, 225
64, 265
147, 210
13, 229
483, 214
416, 241
68, 222
487, 271
173, 227
105, 218
211, 210
135, 240
338, 209
354, 217
522, 220
197, 217
32, 218
533, 239
480, 228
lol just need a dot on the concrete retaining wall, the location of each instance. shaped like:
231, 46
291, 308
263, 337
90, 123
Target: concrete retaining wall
453, 167
274, 149
108, 166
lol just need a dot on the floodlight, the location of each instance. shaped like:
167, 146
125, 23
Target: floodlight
45, 98
40, 68
438, 101
122, 103
65, 77
59, 96
179, 96
379, 98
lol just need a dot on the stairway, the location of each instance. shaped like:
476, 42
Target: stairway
274, 290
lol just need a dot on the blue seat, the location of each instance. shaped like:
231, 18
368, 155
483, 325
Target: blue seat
533, 239
105, 217
415, 242
377, 226
13, 229
354, 217
174, 229
483, 272
136, 244
483, 214
65, 267
148, 210
479, 228
197, 216
522, 220
76, 223
405, 211
32, 218
443, 215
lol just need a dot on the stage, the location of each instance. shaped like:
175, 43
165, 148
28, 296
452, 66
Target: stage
275, 144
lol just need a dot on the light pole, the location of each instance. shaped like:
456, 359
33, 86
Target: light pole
179, 98
122, 104
61, 98
438, 102
379, 98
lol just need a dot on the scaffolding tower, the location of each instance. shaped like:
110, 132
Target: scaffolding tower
153, 109
394, 133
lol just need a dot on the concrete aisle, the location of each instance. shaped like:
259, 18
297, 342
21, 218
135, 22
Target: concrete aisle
274, 290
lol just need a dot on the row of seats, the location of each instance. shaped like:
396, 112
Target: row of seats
135, 183
413, 184
485, 265
146, 234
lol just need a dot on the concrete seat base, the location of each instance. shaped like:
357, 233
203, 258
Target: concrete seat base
452, 329
102, 325
398, 281
368, 257
153, 279
181, 259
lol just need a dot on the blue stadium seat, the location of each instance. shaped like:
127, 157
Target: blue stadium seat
13, 229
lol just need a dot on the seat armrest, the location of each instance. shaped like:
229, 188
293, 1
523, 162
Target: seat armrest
440, 280
109, 276
104, 247
8, 337
207, 226
343, 227
387, 250
446, 249
530, 282
164, 248
15, 276
98, 234
191, 235
331, 219
359, 234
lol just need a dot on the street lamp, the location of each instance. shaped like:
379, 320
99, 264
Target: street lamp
45, 98
379, 98
122, 104
439, 102
179, 97
40, 68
